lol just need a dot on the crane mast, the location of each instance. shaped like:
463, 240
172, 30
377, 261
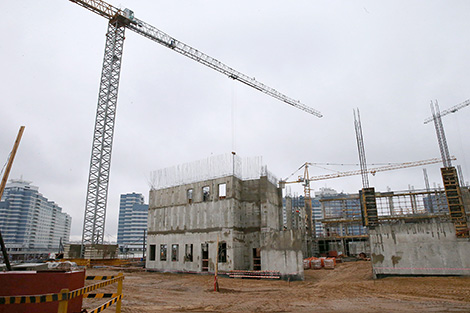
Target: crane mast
119, 20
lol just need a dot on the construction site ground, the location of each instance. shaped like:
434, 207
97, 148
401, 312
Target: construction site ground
347, 288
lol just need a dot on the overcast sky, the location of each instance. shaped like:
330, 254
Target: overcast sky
387, 58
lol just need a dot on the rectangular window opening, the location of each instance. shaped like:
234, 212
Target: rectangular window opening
205, 256
205, 193
152, 252
222, 191
256, 259
222, 258
162, 252
174, 252
188, 253
189, 195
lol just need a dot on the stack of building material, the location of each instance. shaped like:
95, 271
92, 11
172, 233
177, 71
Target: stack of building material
254, 274
329, 263
319, 263
307, 263
316, 264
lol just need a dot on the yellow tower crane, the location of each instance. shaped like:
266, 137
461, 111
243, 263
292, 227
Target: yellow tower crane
118, 21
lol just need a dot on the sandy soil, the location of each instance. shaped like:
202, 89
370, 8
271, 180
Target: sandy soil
348, 288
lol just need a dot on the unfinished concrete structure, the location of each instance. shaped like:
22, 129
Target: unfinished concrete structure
405, 215
428, 247
225, 211
426, 242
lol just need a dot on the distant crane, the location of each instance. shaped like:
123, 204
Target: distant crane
453, 109
449, 175
119, 20
3, 183
360, 148
373, 171
441, 136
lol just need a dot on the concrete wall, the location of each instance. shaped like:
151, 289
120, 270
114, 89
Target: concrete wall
282, 251
196, 239
170, 211
288, 213
427, 248
358, 247
249, 216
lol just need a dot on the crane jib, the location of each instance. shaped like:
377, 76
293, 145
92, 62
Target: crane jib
126, 18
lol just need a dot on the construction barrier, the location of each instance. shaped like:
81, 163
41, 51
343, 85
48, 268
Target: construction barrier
107, 280
65, 295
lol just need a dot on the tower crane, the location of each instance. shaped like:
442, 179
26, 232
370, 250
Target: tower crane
449, 173
373, 171
119, 20
453, 109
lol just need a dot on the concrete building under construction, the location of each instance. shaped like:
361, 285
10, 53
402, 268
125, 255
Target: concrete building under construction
224, 212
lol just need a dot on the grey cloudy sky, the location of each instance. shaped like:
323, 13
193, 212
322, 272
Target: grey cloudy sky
387, 58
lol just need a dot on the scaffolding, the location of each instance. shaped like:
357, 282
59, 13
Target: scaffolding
342, 217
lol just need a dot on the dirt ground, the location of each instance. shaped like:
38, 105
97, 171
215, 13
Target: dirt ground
348, 288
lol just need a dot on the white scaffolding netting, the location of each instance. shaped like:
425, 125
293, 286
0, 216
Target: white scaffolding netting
211, 168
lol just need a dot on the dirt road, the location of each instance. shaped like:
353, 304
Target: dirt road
348, 288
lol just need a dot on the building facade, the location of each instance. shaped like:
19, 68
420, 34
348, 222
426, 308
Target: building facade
29, 222
229, 222
132, 225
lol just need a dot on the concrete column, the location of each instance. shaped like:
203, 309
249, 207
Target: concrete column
289, 212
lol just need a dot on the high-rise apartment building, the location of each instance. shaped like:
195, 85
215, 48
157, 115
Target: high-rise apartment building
30, 223
133, 214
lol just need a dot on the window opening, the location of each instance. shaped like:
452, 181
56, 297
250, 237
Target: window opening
205, 193
188, 254
189, 195
162, 252
152, 252
222, 252
222, 191
174, 252
256, 259
205, 256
